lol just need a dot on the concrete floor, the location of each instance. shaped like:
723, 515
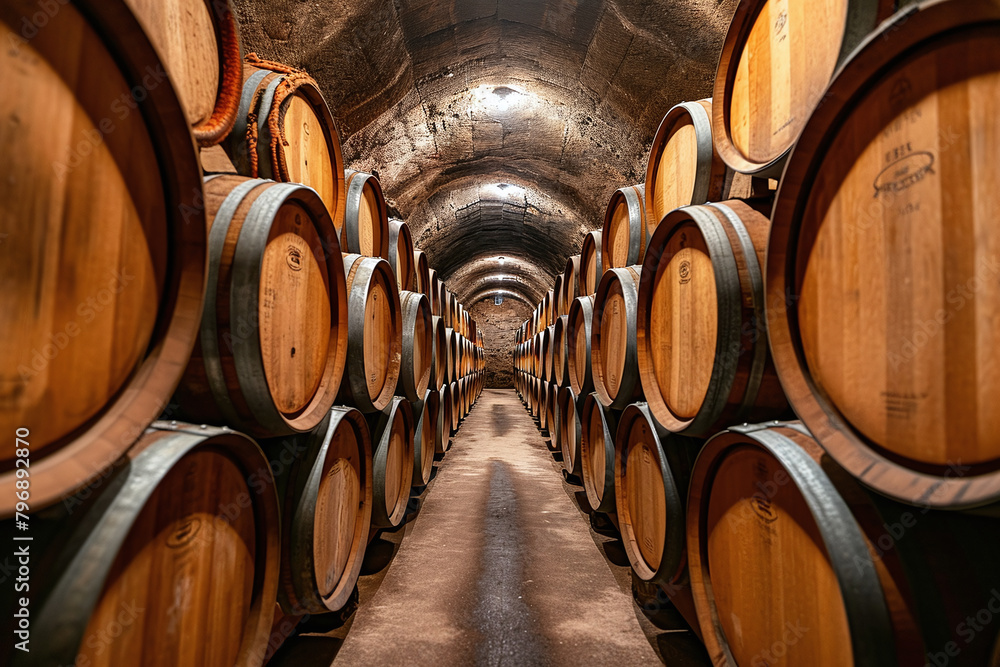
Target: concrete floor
498, 566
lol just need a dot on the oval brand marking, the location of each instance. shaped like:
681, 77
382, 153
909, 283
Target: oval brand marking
904, 173
184, 534
294, 258
761, 505
685, 272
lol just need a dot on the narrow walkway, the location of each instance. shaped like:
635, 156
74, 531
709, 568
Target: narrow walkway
499, 568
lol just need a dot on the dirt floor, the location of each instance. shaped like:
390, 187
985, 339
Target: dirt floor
497, 565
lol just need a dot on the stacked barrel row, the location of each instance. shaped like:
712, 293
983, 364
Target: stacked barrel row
859, 297
306, 362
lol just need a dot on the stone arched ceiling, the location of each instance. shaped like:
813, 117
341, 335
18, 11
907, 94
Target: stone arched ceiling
499, 128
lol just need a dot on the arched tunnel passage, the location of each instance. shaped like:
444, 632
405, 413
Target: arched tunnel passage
497, 128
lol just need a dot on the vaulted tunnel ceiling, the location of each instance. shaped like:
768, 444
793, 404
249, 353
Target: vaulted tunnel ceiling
498, 128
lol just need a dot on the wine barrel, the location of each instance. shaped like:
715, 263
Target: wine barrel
761, 107
187, 529
199, 41
651, 478
425, 438
422, 274
557, 291
597, 454
374, 331
439, 351
442, 440
560, 351
760, 499
443, 303
613, 337
393, 437
591, 268
456, 406
261, 364
284, 131
451, 354
324, 481
401, 254
889, 364
625, 232
578, 334
365, 229
571, 285
700, 336
548, 353
435, 295
550, 413
103, 285
684, 168
418, 346
569, 430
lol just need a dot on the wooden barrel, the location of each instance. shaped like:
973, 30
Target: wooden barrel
261, 364
557, 291
199, 41
614, 360
775, 65
284, 131
759, 500
418, 346
578, 334
324, 482
442, 296
567, 407
598, 425
626, 232
684, 168
456, 406
701, 337
451, 354
442, 440
365, 229
560, 351
439, 351
374, 331
651, 476
425, 436
401, 254
187, 528
591, 268
435, 296
890, 365
103, 258
548, 353
393, 438
571, 284
422, 274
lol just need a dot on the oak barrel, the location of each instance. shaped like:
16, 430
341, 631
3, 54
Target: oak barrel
442, 440
103, 284
626, 231
456, 406
366, 216
760, 500
598, 426
393, 439
579, 366
284, 131
890, 364
614, 360
439, 351
179, 555
652, 468
684, 168
199, 41
374, 331
422, 274
776, 62
401, 254
426, 412
561, 351
571, 284
418, 346
557, 291
435, 293
324, 481
701, 338
568, 406
591, 268
273, 341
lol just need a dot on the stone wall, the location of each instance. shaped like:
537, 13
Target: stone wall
498, 324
